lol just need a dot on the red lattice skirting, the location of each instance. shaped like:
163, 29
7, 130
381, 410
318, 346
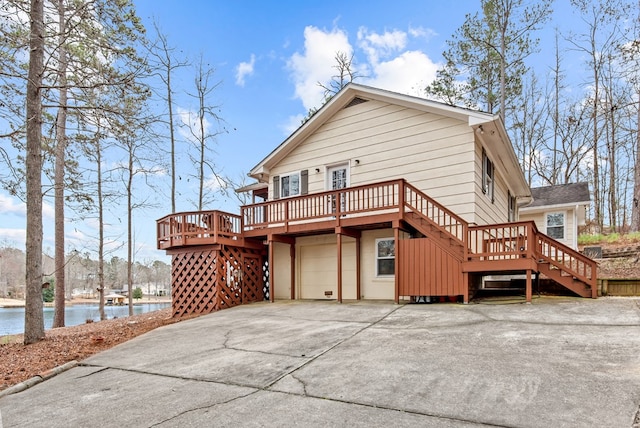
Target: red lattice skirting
216, 278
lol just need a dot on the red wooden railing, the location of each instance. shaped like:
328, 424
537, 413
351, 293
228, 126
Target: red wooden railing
196, 228
511, 241
501, 242
366, 199
430, 210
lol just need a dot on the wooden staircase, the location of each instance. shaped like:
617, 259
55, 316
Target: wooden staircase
507, 248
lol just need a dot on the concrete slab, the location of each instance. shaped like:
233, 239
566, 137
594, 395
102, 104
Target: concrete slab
558, 362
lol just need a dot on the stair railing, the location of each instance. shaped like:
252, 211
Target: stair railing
567, 259
436, 214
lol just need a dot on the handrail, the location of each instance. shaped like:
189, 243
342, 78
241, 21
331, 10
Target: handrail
178, 228
505, 241
434, 212
319, 206
509, 241
566, 258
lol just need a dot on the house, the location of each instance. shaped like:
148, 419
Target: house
559, 210
379, 195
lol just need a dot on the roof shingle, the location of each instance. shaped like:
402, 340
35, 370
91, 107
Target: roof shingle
576, 193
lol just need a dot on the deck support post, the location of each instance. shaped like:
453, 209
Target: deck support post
528, 286
271, 270
339, 244
292, 253
396, 238
465, 281
358, 268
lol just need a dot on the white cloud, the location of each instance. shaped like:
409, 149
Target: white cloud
422, 33
387, 63
245, 69
383, 45
10, 205
13, 235
215, 184
190, 129
292, 124
406, 73
316, 63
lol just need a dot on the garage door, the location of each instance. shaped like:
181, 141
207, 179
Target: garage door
318, 271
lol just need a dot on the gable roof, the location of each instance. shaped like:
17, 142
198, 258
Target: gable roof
495, 140
560, 195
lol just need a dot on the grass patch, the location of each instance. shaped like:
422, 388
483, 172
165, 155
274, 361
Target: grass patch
613, 238
9, 339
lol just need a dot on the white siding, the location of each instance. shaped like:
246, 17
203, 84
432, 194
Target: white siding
434, 153
570, 227
282, 271
372, 287
488, 212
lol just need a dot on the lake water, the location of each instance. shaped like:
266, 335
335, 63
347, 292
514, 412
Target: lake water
12, 319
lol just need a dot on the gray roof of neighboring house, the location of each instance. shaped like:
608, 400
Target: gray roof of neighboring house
563, 194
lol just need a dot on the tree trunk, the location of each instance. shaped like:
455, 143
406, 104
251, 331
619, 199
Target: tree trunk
61, 148
129, 230
635, 210
33, 316
100, 230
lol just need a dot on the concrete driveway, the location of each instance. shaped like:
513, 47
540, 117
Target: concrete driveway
560, 362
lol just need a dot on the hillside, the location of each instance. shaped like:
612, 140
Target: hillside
620, 258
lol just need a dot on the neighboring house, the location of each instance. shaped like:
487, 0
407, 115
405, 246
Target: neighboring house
378, 195
559, 210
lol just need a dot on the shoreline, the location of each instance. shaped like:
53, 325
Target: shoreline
19, 303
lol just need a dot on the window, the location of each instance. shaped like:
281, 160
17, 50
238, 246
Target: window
385, 256
555, 225
487, 175
511, 213
290, 185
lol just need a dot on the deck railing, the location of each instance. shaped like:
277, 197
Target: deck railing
505, 241
197, 227
357, 200
416, 201
511, 241
563, 257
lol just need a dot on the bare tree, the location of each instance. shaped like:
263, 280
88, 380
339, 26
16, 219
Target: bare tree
596, 45
204, 126
59, 185
164, 64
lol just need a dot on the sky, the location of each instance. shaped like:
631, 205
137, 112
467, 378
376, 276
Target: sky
269, 57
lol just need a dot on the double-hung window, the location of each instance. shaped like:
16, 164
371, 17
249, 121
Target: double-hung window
385, 257
290, 185
555, 225
487, 175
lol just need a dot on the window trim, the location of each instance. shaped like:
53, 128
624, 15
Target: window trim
564, 224
488, 176
378, 258
289, 174
511, 207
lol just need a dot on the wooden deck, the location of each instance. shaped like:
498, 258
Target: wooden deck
473, 250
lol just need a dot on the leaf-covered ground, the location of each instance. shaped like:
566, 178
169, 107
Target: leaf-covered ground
20, 362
